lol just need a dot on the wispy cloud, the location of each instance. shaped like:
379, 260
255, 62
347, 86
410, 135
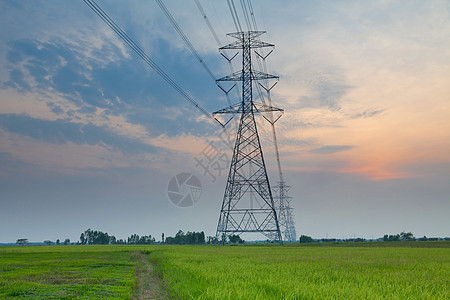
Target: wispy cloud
330, 149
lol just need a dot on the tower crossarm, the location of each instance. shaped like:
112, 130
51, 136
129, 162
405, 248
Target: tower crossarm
233, 109
261, 108
251, 36
255, 75
258, 108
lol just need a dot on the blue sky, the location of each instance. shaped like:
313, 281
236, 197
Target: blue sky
90, 136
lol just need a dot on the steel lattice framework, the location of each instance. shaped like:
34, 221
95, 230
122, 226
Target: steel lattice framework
285, 211
248, 204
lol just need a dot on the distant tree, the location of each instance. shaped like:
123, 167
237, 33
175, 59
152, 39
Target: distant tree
22, 241
48, 242
94, 237
328, 240
57, 242
391, 238
305, 239
169, 240
403, 236
235, 239
89, 236
192, 238
66, 241
146, 240
201, 238
83, 239
180, 237
103, 238
112, 240
355, 240
162, 238
406, 236
133, 239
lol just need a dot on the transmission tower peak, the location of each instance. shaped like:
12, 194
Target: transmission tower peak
246, 39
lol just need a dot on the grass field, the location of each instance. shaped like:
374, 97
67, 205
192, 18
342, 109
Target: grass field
363, 271
57, 271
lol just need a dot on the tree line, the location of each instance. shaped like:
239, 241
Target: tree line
95, 237
403, 236
188, 238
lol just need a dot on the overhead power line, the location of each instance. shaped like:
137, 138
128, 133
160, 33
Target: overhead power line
188, 42
234, 14
246, 17
252, 14
202, 11
219, 43
105, 18
184, 37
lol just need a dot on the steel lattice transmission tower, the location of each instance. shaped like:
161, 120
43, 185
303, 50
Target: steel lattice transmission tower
285, 211
248, 204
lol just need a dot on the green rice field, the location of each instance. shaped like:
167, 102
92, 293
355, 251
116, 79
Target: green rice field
419, 270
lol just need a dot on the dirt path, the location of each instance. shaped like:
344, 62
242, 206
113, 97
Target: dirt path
149, 285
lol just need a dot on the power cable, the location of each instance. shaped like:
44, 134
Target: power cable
105, 18
184, 37
219, 43
244, 10
202, 11
234, 15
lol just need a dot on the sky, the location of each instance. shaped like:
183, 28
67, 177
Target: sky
91, 136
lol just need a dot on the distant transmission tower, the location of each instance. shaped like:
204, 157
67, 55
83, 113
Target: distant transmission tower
248, 204
283, 201
285, 211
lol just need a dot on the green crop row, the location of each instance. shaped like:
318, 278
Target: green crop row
305, 273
